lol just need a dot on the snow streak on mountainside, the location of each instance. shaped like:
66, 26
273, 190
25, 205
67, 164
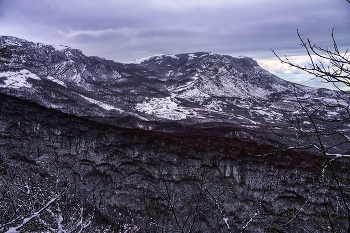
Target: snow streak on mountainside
191, 88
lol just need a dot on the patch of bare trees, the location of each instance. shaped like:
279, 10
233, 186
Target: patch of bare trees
30, 202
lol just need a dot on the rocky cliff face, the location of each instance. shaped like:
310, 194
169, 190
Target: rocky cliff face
170, 143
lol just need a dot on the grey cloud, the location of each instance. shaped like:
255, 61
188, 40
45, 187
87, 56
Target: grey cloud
121, 29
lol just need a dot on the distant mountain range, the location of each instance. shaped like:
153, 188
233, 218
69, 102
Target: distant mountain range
187, 88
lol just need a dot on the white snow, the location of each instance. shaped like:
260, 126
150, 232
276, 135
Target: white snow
164, 108
251, 219
203, 86
168, 108
34, 215
101, 104
206, 84
267, 113
60, 47
214, 105
334, 102
18, 79
226, 222
56, 81
242, 57
222, 70
338, 156
277, 87
172, 56
139, 60
191, 56
244, 118
157, 57
12, 41
192, 93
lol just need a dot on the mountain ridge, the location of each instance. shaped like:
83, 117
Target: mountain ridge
191, 88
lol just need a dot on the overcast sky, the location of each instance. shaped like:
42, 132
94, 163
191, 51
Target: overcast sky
123, 30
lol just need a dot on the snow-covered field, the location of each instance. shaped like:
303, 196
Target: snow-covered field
18, 79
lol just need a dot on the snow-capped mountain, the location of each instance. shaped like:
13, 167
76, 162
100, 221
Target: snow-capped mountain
191, 88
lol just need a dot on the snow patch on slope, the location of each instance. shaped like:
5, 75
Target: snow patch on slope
60, 47
56, 81
9, 40
18, 79
168, 108
163, 108
157, 57
206, 85
101, 104
191, 56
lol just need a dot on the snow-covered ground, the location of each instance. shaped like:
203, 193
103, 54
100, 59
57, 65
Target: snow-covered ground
56, 81
18, 79
165, 108
156, 57
101, 104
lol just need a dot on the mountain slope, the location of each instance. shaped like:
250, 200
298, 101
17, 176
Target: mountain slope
191, 88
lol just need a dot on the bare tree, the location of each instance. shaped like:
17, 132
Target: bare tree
323, 128
330, 65
29, 202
